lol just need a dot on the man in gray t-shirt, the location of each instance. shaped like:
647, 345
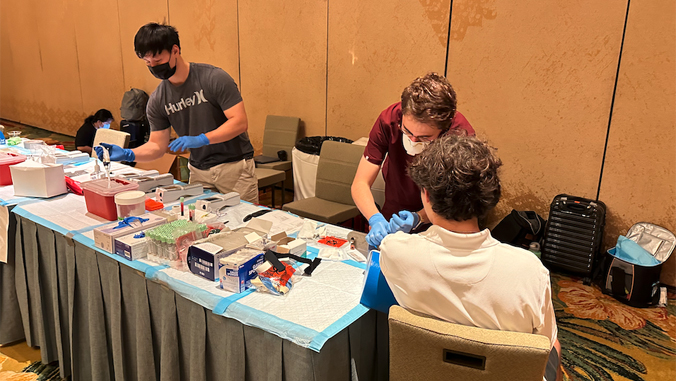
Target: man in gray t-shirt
203, 105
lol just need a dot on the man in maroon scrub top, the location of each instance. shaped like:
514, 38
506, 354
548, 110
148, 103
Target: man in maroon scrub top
427, 110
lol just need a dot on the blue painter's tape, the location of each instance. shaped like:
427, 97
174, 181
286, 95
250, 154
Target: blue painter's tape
90, 228
202, 297
19, 201
355, 264
285, 329
337, 326
136, 265
226, 302
150, 274
39, 220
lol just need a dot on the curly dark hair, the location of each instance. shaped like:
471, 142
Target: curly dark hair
460, 174
430, 100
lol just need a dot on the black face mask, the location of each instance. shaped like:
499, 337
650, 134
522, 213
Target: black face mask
163, 71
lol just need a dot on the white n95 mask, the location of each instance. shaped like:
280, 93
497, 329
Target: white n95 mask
413, 148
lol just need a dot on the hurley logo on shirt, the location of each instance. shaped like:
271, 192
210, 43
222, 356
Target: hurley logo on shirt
185, 103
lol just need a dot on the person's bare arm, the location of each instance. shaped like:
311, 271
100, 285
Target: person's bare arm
155, 148
85, 149
236, 124
361, 187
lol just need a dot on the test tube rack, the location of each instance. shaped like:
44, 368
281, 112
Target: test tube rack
217, 202
174, 192
148, 184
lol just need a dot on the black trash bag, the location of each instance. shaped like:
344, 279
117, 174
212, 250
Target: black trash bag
313, 144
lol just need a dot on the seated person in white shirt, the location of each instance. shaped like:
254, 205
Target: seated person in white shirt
456, 272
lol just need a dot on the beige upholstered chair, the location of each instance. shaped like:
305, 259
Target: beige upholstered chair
425, 348
333, 199
104, 135
281, 134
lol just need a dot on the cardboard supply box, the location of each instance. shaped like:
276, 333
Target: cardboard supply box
104, 237
237, 270
205, 254
131, 246
289, 245
33, 179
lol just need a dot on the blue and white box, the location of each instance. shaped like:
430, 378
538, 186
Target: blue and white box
204, 255
132, 246
238, 269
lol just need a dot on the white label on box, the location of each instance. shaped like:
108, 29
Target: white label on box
209, 247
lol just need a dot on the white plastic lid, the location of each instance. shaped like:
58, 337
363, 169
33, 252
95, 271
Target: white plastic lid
130, 198
9, 158
101, 188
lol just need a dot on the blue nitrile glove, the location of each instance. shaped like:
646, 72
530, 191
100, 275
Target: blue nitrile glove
185, 142
379, 229
404, 221
116, 152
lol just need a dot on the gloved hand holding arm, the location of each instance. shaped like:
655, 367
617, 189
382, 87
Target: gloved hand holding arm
186, 142
379, 230
404, 221
116, 152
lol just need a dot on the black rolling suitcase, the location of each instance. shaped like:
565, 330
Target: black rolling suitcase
573, 235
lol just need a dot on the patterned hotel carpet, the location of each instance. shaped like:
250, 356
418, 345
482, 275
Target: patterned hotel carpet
30, 132
603, 339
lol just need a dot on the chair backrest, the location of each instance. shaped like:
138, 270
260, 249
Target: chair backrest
105, 135
281, 133
425, 348
335, 171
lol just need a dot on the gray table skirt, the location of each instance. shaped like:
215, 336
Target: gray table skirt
103, 320
11, 327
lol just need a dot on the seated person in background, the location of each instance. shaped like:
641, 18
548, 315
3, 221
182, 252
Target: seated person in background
456, 272
85, 135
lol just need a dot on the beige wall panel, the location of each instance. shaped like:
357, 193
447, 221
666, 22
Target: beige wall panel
8, 80
639, 180
208, 32
100, 57
60, 108
376, 48
535, 78
19, 23
133, 14
283, 63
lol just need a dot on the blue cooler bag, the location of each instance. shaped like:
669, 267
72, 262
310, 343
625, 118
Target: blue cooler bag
633, 274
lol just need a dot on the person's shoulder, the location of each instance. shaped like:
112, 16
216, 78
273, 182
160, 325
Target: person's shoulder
391, 116
208, 69
461, 122
157, 93
392, 111
519, 258
400, 243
